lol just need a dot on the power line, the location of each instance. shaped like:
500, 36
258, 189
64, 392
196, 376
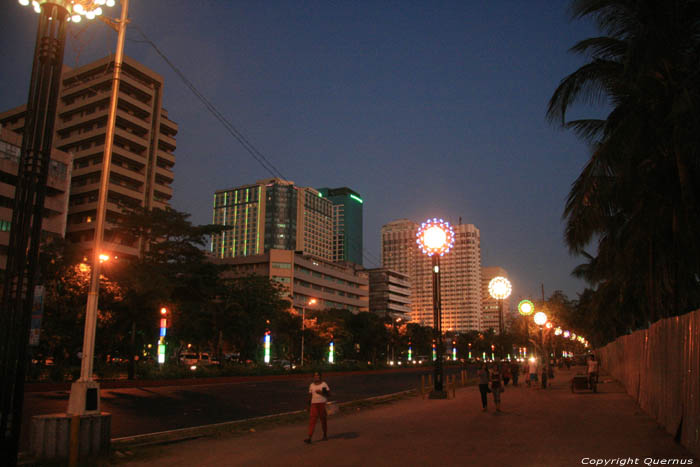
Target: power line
240, 137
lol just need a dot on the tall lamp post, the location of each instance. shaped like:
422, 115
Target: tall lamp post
435, 238
85, 392
28, 207
526, 308
540, 320
500, 289
311, 302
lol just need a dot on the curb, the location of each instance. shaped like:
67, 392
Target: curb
186, 434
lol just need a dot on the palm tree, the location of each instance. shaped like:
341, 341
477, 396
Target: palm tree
637, 197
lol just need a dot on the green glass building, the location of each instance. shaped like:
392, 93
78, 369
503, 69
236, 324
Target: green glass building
347, 223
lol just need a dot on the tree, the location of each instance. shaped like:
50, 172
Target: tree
636, 199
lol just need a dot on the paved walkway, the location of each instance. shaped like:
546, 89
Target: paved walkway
551, 427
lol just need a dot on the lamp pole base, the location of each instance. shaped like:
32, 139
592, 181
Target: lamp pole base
84, 398
435, 394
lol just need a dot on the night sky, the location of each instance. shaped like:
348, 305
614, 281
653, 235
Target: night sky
427, 109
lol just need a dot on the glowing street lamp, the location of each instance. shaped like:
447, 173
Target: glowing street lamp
435, 237
500, 289
540, 320
331, 352
526, 307
312, 301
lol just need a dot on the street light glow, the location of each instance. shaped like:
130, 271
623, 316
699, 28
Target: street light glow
540, 318
526, 307
500, 288
435, 237
76, 8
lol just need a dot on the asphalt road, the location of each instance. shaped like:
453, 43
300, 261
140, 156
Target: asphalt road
152, 409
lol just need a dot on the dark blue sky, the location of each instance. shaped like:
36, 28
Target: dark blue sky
430, 108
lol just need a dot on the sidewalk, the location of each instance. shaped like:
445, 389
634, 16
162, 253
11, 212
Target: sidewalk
551, 427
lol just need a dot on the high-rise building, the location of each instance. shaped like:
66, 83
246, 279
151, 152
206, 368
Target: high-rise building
56, 201
142, 161
389, 293
272, 214
347, 223
489, 309
460, 274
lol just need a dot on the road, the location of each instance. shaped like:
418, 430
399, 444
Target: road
152, 409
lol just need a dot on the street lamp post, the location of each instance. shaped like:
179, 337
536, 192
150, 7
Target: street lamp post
526, 308
28, 207
540, 320
500, 289
435, 238
312, 301
85, 392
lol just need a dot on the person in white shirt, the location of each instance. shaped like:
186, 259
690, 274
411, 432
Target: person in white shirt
593, 367
318, 396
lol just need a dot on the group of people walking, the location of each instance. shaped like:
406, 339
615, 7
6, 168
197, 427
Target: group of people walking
494, 378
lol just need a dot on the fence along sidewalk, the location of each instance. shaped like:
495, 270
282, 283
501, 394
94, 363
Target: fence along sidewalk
660, 369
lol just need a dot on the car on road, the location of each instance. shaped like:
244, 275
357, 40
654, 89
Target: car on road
189, 358
279, 363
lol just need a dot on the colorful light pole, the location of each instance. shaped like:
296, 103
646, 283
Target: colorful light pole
163, 330
331, 352
435, 237
267, 342
454, 351
410, 352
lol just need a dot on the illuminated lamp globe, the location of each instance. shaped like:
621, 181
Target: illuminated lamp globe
500, 288
526, 308
435, 237
540, 318
76, 8
557, 332
566, 334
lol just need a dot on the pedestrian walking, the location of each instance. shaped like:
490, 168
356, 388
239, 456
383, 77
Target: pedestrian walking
515, 371
484, 379
318, 396
496, 386
532, 368
545, 373
505, 371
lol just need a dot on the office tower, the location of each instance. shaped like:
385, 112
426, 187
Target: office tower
272, 214
142, 161
489, 311
460, 274
58, 183
347, 223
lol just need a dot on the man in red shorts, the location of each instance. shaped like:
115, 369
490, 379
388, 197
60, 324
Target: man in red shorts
318, 396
